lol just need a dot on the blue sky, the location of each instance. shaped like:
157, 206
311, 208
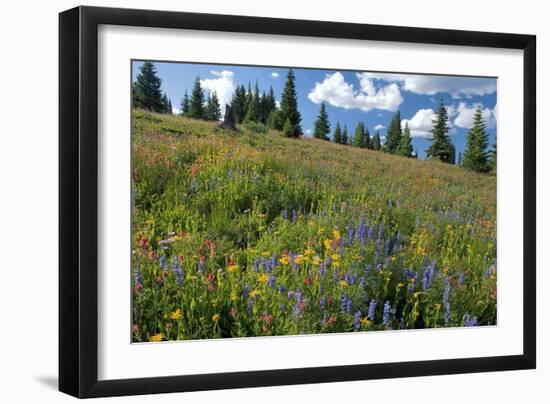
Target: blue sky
351, 97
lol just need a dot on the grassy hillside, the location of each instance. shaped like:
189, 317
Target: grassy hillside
245, 234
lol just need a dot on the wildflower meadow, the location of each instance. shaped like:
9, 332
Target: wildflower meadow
243, 234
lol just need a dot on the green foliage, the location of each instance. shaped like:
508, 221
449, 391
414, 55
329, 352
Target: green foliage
405, 148
322, 124
184, 106
376, 144
253, 112
256, 127
289, 104
213, 111
345, 135
359, 136
228, 228
196, 105
393, 137
147, 94
288, 129
476, 157
441, 147
337, 135
238, 103
275, 120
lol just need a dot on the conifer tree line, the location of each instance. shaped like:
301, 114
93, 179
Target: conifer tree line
249, 106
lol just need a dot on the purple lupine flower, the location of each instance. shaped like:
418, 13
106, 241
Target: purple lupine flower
379, 268
284, 214
246, 291
425, 274
362, 282
322, 269
397, 244
470, 321
372, 310
322, 303
387, 248
255, 265
350, 235
380, 231
367, 270
353, 279
281, 289
138, 277
271, 281
328, 261
177, 270
291, 294
345, 304
347, 277
386, 315
357, 320
250, 305
371, 231
431, 273
163, 263
377, 249
446, 300
461, 278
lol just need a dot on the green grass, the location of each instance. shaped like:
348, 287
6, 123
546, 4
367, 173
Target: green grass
247, 234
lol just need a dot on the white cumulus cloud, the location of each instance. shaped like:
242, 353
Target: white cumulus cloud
275, 75
379, 127
465, 115
224, 86
431, 85
420, 124
335, 91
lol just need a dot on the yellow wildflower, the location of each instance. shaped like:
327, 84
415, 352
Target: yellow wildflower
254, 293
234, 297
176, 315
266, 254
263, 278
400, 285
285, 260
343, 283
232, 267
320, 231
417, 294
316, 261
299, 259
216, 317
328, 244
309, 251
336, 235
335, 257
157, 337
366, 322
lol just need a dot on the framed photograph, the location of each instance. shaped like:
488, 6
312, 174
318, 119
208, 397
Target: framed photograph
251, 201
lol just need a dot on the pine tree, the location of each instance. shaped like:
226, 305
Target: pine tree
345, 135
337, 135
253, 112
441, 148
476, 157
376, 144
275, 120
165, 106
405, 146
359, 136
288, 128
169, 106
393, 137
452, 159
147, 94
238, 104
196, 104
322, 124
368, 142
213, 110
184, 106
289, 104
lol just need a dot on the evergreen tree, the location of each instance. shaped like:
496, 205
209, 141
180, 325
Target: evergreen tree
393, 137
368, 142
238, 104
147, 94
376, 144
165, 106
337, 135
476, 157
288, 128
169, 106
452, 159
359, 136
345, 136
493, 157
322, 124
184, 104
196, 104
253, 112
289, 104
275, 120
213, 110
405, 146
441, 148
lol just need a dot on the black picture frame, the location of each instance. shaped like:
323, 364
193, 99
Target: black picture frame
78, 201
